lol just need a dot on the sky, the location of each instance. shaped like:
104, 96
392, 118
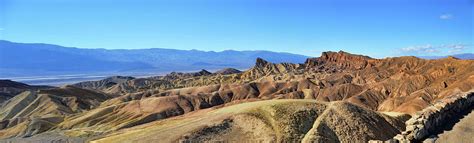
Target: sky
378, 28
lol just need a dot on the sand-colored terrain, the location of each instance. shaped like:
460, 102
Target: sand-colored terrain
341, 97
267, 121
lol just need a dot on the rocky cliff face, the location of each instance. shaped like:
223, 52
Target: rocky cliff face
336, 61
264, 68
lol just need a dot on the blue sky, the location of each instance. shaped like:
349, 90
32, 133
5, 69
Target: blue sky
377, 28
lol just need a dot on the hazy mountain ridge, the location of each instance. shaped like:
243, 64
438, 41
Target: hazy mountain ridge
464, 56
18, 59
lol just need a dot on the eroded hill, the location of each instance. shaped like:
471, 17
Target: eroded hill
9, 89
343, 97
268, 121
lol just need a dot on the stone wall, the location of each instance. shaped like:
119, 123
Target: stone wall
429, 121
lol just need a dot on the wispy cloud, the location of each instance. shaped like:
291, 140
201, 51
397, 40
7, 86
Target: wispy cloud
446, 16
429, 49
455, 48
420, 49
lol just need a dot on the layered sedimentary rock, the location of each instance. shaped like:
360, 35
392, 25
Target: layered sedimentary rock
33, 112
360, 86
333, 62
9, 89
403, 84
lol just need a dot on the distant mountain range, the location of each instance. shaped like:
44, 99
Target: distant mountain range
465, 56
28, 59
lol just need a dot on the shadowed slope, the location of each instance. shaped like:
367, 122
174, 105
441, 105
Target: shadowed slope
9, 89
33, 112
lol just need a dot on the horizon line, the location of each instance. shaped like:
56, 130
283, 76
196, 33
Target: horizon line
131, 49
74, 47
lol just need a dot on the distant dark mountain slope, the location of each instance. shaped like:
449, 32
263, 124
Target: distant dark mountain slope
464, 56
19, 59
31, 59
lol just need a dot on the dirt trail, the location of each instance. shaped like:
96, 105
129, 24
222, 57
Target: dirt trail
462, 132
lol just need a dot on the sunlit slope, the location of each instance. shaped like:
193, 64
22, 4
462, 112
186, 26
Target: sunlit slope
271, 120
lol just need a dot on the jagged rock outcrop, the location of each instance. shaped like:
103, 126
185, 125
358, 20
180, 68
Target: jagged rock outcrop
264, 68
336, 61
